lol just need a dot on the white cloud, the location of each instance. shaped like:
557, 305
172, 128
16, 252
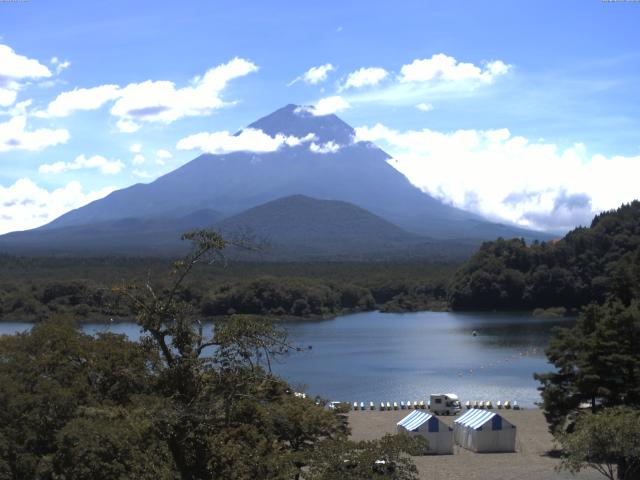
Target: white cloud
163, 154
106, 167
508, 177
365, 77
60, 65
13, 69
328, 105
138, 159
25, 205
135, 148
143, 174
443, 68
151, 100
161, 101
425, 107
425, 80
314, 75
249, 139
328, 147
15, 136
127, 126
80, 99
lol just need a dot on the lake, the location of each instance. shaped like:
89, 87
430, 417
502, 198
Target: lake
375, 356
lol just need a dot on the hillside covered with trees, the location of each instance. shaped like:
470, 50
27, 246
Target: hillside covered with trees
587, 265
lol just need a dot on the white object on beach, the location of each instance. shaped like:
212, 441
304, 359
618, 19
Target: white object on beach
423, 424
402, 405
507, 404
355, 405
499, 405
388, 406
395, 405
372, 406
515, 405
484, 431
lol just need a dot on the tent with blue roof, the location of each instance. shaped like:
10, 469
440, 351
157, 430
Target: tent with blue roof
438, 434
484, 431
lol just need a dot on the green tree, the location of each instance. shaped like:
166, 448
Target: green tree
387, 458
608, 441
47, 375
597, 362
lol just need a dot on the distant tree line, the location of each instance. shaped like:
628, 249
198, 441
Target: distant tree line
34, 289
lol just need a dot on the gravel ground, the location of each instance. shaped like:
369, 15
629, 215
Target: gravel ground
530, 461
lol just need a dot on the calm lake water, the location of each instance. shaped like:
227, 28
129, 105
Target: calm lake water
392, 357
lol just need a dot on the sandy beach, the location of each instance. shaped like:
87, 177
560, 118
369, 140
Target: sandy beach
530, 461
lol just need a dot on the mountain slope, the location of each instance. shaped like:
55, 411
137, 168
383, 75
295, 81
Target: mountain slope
297, 226
129, 235
230, 183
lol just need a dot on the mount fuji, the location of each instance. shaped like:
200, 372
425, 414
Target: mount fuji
320, 174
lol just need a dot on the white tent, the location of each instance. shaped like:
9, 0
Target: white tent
484, 431
438, 434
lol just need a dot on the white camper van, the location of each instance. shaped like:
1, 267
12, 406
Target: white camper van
444, 403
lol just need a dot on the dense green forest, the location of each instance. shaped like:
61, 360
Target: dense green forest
33, 288
587, 265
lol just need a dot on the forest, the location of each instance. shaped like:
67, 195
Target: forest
33, 288
587, 265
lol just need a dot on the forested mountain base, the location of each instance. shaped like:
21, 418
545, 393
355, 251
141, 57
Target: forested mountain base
587, 265
33, 288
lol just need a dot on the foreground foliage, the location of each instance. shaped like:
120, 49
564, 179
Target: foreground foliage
597, 363
179, 404
608, 441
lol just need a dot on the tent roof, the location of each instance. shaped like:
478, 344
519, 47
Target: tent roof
413, 421
475, 418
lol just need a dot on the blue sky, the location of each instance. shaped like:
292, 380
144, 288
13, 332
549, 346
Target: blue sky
526, 112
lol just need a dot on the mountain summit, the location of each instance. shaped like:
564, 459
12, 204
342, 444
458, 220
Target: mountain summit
323, 162
300, 121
